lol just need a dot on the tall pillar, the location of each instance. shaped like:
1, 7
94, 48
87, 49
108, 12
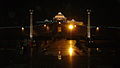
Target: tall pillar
31, 24
88, 25
88, 36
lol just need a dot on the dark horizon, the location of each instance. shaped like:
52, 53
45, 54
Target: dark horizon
104, 13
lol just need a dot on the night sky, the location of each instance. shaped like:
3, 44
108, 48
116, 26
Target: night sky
16, 12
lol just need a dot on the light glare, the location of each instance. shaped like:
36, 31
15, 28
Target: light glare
59, 22
22, 28
97, 28
45, 25
70, 51
71, 27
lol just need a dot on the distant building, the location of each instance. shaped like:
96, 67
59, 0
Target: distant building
60, 17
80, 23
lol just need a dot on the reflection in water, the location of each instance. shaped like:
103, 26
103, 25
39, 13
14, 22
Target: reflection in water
70, 56
70, 51
59, 55
71, 47
70, 42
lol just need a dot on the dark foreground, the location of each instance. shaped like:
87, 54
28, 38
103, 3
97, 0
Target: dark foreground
47, 55
102, 52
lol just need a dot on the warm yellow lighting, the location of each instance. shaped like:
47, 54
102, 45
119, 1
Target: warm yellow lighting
97, 28
59, 29
80, 23
45, 25
59, 22
74, 25
60, 16
97, 49
70, 51
59, 55
47, 28
71, 27
70, 42
22, 28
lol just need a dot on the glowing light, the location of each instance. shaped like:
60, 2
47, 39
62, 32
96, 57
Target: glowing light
60, 16
70, 42
97, 49
74, 25
59, 55
59, 52
71, 27
46, 20
70, 51
59, 22
80, 23
59, 13
97, 28
73, 20
59, 29
48, 28
45, 25
22, 47
22, 28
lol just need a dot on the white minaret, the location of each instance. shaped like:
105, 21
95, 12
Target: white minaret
88, 25
31, 23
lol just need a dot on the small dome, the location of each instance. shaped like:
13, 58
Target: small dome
59, 15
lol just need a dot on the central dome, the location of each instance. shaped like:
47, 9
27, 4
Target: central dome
59, 16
